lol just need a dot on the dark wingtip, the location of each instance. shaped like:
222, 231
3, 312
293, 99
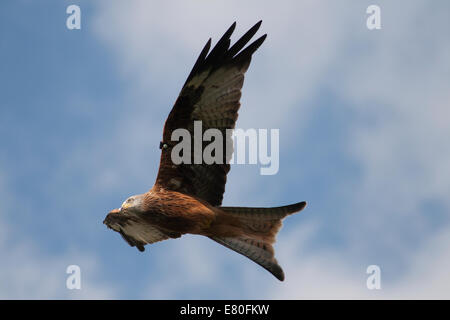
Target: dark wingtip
243, 40
249, 50
222, 53
295, 207
262, 38
277, 272
230, 30
302, 205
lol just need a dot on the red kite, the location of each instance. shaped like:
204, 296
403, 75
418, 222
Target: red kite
187, 198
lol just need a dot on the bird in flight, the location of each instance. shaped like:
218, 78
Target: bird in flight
186, 197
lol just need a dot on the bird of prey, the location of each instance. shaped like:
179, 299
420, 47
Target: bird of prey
186, 198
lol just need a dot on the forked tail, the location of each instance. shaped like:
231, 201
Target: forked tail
258, 228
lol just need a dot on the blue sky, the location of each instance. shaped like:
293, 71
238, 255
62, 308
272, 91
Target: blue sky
363, 118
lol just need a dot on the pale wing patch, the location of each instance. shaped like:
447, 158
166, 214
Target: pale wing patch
219, 103
198, 79
143, 232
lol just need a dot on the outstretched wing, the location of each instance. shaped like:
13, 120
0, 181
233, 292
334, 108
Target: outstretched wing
136, 231
211, 95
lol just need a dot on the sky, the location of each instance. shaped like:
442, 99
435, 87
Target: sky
363, 119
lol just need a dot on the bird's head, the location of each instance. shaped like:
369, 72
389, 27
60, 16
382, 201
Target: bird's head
133, 203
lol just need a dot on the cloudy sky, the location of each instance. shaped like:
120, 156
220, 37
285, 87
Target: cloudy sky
364, 138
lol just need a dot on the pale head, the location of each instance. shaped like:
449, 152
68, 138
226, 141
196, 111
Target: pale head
133, 203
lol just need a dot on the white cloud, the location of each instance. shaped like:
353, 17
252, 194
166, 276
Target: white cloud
189, 265
428, 277
394, 81
29, 272
398, 89
157, 43
326, 274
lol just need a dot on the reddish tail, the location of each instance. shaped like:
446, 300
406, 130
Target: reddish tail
258, 228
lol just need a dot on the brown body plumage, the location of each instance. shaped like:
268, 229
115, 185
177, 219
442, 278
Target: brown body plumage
187, 197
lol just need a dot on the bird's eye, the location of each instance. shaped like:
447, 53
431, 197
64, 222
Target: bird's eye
129, 200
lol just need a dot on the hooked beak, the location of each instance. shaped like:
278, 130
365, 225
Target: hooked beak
126, 205
115, 211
